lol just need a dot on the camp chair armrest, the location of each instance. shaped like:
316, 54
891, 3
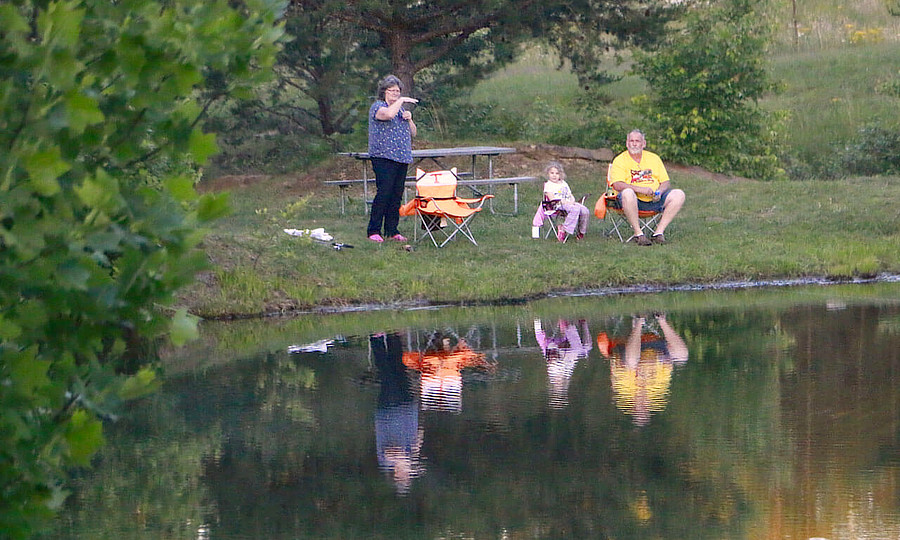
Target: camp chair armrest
550, 205
424, 199
475, 201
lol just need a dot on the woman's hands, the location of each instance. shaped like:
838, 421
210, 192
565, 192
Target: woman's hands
394, 106
406, 115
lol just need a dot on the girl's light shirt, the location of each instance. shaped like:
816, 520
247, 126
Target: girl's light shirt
558, 191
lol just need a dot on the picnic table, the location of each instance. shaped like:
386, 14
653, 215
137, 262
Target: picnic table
468, 178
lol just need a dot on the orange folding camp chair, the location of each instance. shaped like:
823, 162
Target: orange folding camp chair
618, 225
441, 214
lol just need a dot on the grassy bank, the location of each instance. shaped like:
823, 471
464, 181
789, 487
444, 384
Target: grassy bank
729, 229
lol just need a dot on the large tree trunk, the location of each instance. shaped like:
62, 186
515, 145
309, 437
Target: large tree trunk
401, 62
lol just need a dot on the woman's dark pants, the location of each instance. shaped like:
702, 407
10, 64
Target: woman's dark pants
390, 180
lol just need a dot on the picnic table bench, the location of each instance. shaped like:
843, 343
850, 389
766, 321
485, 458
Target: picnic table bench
513, 181
466, 178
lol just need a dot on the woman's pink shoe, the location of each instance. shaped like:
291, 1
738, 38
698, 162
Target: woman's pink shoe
398, 238
376, 238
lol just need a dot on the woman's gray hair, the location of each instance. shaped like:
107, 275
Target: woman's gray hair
555, 165
387, 82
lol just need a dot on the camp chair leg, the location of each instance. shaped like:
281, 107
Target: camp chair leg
429, 223
617, 220
464, 229
648, 224
458, 228
454, 228
614, 222
551, 228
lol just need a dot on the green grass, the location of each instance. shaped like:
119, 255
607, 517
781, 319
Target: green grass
754, 230
727, 231
829, 23
534, 75
542, 93
826, 95
829, 94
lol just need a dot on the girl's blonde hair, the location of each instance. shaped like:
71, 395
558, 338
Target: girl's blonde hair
555, 165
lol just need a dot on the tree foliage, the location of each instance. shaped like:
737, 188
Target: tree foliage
466, 37
587, 31
706, 80
331, 62
339, 49
93, 95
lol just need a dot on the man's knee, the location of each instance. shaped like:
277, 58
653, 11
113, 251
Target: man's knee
627, 197
675, 197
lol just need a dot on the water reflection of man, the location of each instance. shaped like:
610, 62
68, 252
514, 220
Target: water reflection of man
398, 437
641, 366
562, 350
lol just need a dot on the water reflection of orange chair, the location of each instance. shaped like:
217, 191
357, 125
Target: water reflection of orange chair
641, 367
441, 367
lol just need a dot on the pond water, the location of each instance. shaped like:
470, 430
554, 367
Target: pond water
744, 415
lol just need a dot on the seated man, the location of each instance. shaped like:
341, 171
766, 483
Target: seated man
642, 183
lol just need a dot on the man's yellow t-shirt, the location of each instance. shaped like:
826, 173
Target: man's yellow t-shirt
649, 172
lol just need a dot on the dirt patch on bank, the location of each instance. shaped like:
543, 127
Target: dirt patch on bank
529, 160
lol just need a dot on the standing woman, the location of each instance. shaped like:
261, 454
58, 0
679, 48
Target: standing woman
391, 129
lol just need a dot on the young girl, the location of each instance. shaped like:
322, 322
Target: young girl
557, 189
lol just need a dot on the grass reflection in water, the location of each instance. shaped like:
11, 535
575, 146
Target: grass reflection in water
564, 419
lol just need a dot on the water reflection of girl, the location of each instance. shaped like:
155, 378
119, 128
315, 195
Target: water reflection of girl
562, 351
398, 436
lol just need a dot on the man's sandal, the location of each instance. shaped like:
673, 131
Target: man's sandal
641, 240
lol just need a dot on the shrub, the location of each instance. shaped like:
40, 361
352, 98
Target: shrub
874, 151
706, 83
597, 125
472, 120
101, 128
889, 87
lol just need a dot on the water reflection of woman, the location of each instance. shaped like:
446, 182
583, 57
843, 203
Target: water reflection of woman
562, 350
398, 436
641, 366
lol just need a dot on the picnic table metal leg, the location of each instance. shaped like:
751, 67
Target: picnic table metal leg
491, 186
365, 189
515, 199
